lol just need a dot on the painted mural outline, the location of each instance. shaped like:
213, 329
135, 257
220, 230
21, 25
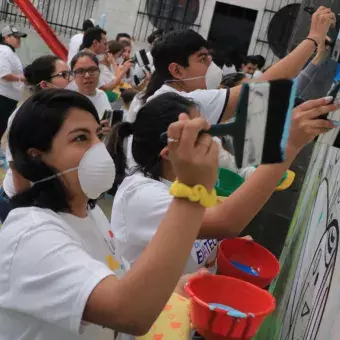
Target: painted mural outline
308, 303
308, 262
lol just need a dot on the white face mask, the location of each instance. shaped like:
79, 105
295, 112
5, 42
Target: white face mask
101, 57
96, 171
213, 77
249, 76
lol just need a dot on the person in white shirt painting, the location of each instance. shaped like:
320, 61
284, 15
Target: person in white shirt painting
11, 74
58, 271
77, 39
183, 64
143, 198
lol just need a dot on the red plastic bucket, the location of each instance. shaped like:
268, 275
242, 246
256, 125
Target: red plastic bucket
247, 253
242, 296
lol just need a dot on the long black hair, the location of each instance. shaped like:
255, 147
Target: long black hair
174, 47
35, 125
152, 120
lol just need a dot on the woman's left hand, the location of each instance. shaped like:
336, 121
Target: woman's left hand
185, 278
105, 127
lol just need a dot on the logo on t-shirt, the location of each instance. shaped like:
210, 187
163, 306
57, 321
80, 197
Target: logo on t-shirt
204, 251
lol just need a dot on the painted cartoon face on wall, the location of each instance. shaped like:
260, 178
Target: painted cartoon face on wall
311, 290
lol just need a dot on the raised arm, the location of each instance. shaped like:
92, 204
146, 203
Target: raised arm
132, 304
290, 66
235, 213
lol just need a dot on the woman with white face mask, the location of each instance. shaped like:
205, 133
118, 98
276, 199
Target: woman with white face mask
86, 72
45, 72
112, 68
57, 277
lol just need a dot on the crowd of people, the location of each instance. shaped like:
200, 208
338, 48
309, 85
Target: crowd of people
67, 271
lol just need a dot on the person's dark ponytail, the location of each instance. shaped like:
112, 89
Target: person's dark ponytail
155, 83
115, 147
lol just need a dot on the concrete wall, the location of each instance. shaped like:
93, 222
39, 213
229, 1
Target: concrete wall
121, 16
33, 46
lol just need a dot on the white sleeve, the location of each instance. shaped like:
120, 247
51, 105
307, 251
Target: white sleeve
73, 48
133, 110
246, 172
107, 102
51, 277
212, 103
103, 104
5, 64
8, 154
147, 207
227, 161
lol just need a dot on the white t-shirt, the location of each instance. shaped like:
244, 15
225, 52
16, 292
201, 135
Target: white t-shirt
74, 46
101, 102
211, 103
228, 70
135, 106
8, 183
107, 74
140, 205
50, 263
257, 74
10, 64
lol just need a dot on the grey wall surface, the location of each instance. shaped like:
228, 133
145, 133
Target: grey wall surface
324, 78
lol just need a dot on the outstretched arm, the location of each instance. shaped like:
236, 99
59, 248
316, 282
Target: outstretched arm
292, 64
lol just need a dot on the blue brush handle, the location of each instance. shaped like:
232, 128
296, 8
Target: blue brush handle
245, 268
230, 311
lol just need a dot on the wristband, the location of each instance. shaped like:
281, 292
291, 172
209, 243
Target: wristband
314, 41
198, 193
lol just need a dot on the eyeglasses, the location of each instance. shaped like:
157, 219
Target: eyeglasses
64, 74
92, 71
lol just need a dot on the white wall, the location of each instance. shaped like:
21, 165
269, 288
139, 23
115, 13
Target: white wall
120, 15
33, 46
261, 25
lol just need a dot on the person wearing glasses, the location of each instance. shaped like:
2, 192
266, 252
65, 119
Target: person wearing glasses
85, 69
45, 72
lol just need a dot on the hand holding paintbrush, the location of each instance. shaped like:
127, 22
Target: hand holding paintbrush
322, 20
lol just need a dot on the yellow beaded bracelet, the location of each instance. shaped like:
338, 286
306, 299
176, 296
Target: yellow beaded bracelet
198, 193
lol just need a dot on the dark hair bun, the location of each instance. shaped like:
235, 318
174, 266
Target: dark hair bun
29, 74
41, 69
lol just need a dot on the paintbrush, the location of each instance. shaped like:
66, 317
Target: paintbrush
333, 34
332, 137
260, 129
